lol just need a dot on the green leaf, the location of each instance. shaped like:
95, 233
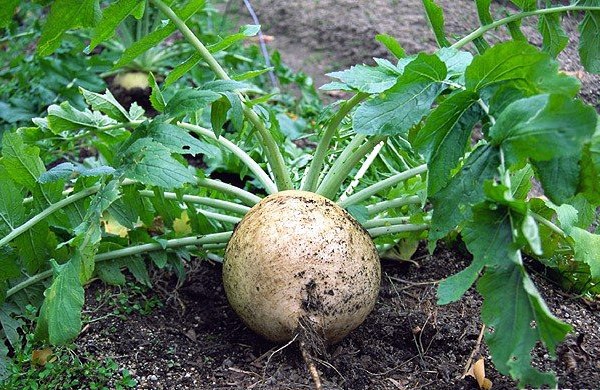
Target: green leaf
218, 115
521, 182
401, 107
590, 170
180, 70
123, 214
454, 287
155, 37
435, 16
518, 316
391, 44
33, 247
368, 79
554, 38
566, 214
65, 15
488, 237
159, 259
112, 17
156, 98
65, 170
359, 212
106, 103
7, 11
525, 5
22, 162
587, 248
244, 32
11, 326
506, 61
66, 118
236, 113
444, 137
555, 125
178, 140
138, 269
589, 41
483, 11
188, 101
60, 314
559, 177
151, 163
531, 233
12, 211
222, 86
110, 272
456, 61
452, 205
9, 266
250, 74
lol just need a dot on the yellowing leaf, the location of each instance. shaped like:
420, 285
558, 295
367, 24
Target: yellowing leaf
111, 226
42, 356
182, 225
477, 371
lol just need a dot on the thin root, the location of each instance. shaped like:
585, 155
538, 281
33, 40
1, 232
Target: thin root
310, 364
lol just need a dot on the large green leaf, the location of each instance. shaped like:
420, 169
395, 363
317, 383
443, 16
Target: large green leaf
65, 15
452, 205
60, 315
587, 249
112, 16
435, 16
151, 163
488, 237
554, 38
368, 79
188, 101
543, 127
516, 312
157, 36
589, 42
443, 139
396, 110
506, 61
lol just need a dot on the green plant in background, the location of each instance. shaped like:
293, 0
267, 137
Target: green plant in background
400, 142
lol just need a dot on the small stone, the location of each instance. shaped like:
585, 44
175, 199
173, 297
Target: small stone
153, 378
227, 363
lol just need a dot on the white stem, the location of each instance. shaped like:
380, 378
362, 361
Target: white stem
361, 172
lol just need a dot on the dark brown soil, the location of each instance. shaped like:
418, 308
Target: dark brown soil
195, 340
321, 36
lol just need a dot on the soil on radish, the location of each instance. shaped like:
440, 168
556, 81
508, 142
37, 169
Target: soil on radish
196, 341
